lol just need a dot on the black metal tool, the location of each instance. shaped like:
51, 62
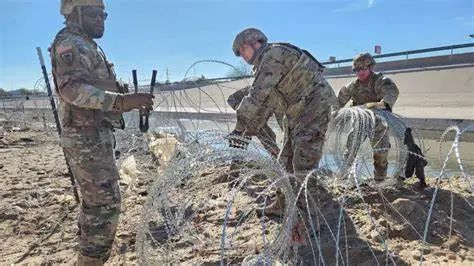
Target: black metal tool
56, 118
416, 161
135, 80
144, 114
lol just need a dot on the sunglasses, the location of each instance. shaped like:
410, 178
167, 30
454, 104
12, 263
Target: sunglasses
95, 14
359, 69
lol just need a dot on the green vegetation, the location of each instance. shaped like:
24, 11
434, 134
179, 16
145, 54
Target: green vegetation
242, 69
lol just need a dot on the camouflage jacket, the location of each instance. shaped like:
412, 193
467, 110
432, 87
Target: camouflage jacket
284, 76
85, 81
379, 88
236, 98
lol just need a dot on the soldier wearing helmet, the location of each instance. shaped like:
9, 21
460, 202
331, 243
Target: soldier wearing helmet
253, 41
248, 43
374, 91
288, 81
91, 103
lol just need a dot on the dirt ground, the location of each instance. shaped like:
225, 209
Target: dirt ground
38, 214
399, 216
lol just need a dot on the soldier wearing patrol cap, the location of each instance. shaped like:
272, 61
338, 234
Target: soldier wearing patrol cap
374, 91
91, 103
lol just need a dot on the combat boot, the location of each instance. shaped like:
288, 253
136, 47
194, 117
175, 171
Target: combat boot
88, 261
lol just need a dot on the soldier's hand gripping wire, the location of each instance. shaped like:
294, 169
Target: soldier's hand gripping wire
238, 140
375, 105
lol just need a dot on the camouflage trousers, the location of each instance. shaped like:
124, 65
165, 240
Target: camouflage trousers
380, 144
303, 146
89, 152
268, 139
305, 129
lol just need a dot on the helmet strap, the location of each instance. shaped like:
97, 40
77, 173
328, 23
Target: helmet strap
79, 16
257, 52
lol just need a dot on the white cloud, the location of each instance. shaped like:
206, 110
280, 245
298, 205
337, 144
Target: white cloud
355, 5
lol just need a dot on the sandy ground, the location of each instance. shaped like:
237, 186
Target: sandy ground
38, 213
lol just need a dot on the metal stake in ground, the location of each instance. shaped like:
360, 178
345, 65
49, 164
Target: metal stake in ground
56, 118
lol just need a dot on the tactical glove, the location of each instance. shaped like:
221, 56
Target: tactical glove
122, 87
375, 105
128, 102
238, 140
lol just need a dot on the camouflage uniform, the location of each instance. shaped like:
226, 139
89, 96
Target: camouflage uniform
289, 80
379, 88
266, 135
87, 119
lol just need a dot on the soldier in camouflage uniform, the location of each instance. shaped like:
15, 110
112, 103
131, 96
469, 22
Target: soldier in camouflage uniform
288, 80
91, 105
266, 135
374, 91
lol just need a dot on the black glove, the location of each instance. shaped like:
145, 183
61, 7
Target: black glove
238, 140
122, 87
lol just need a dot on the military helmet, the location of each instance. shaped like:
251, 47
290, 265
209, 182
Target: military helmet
362, 61
248, 36
67, 6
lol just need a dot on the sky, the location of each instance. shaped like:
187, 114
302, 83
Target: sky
173, 34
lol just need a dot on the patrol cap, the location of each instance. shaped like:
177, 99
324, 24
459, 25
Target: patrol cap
67, 6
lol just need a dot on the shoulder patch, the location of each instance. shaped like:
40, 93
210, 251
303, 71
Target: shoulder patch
65, 52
